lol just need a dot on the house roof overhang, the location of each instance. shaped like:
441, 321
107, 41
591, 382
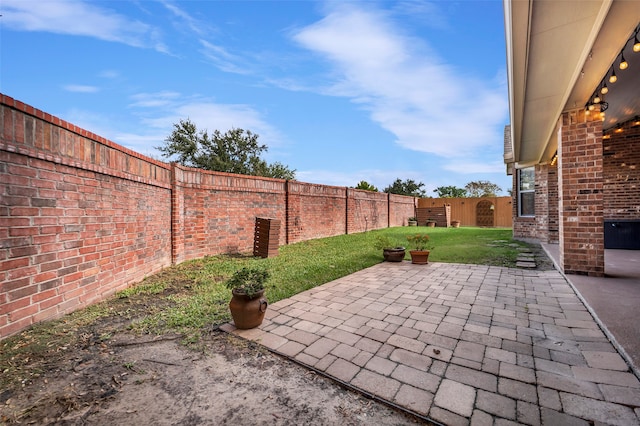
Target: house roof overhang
558, 52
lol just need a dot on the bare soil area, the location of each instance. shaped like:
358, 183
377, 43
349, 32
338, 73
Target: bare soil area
130, 379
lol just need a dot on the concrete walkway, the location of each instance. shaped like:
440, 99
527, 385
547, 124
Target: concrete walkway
459, 344
614, 299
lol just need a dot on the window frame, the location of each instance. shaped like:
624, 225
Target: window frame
521, 191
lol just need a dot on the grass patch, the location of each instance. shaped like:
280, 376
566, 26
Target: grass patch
190, 297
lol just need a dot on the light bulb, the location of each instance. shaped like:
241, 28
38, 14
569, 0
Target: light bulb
623, 63
604, 89
636, 44
596, 100
613, 77
591, 107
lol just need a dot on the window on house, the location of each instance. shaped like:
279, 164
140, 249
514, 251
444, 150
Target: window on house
526, 192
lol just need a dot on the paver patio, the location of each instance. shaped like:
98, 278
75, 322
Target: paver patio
459, 344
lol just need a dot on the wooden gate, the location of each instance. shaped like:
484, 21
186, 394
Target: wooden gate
484, 213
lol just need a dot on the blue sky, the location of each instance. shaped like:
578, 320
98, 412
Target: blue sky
341, 91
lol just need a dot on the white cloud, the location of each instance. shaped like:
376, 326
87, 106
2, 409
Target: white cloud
79, 88
427, 104
192, 23
222, 59
154, 100
79, 18
158, 112
473, 167
109, 74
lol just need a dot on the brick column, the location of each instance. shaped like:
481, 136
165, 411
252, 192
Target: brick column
552, 190
580, 183
177, 215
542, 202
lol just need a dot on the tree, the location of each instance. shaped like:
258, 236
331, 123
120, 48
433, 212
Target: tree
450, 192
236, 151
363, 184
482, 188
277, 170
407, 187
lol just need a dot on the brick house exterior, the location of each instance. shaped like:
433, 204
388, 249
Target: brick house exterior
573, 145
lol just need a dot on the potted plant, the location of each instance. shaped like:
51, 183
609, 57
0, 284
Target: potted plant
421, 246
431, 223
412, 221
247, 304
455, 223
391, 250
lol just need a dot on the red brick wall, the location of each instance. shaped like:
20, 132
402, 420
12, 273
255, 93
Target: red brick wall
580, 189
401, 208
622, 172
371, 210
82, 217
552, 208
315, 211
215, 212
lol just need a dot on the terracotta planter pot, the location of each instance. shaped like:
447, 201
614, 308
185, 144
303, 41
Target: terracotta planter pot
412, 223
431, 224
247, 312
419, 257
393, 254
455, 224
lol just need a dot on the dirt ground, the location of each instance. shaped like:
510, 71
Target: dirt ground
129, 380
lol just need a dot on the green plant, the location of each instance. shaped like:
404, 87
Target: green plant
419, 241
248, 281
385, 242
412, 219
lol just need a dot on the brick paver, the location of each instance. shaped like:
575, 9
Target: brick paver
459, 344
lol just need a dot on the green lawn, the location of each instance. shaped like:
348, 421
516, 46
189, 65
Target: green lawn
305, 265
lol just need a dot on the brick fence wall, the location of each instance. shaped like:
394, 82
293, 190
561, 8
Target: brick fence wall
82, 217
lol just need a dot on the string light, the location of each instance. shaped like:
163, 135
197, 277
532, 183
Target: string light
623, 62
602, 87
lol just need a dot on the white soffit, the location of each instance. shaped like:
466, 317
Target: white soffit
560, 38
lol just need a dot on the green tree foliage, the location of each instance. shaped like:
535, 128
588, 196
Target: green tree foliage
482, 188
407, 187
363, 184
450, 192
236, 151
